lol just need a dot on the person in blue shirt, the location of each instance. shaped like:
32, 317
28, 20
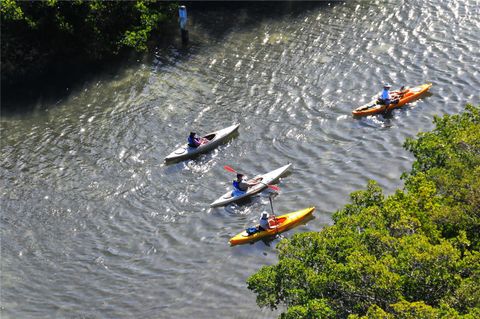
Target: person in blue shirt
385, 97
194, 141
241, 185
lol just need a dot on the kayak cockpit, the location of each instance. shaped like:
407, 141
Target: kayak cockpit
210, 136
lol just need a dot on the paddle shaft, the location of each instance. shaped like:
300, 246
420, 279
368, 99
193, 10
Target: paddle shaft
274, 217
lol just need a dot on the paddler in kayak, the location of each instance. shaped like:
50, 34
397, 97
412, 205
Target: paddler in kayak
241, 185
264, 223
386, 97
265, 220
194, 141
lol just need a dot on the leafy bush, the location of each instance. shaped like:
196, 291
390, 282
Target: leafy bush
414, 254
35, 33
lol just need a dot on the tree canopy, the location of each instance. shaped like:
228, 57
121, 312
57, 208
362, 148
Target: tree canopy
413, 254
35, 33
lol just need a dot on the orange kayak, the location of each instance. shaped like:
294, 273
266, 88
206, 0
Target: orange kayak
406, 96
282, 223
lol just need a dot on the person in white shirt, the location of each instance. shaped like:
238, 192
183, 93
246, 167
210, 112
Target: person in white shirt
264, 224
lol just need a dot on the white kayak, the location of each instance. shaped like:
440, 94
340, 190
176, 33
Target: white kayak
266, 179
214, 139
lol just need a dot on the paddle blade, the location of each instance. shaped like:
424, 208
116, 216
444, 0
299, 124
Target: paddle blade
275, 188
228, 168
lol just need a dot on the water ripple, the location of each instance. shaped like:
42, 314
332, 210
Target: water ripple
94, 224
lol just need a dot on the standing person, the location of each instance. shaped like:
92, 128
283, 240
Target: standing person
182, 17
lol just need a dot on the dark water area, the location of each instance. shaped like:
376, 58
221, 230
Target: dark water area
62, 76
59, 79
94, 224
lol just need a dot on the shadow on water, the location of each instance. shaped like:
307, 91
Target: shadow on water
217, 19
64, 77
55, 85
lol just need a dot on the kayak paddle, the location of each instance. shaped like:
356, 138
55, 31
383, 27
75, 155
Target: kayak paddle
273, 213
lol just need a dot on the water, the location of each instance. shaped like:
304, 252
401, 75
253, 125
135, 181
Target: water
94, 225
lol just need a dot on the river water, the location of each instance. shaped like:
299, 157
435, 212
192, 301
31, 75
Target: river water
94, 225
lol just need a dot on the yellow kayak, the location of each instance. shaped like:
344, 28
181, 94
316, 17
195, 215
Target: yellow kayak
282, 223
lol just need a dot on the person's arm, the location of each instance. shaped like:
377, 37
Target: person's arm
253, 182
198, 141
272, 223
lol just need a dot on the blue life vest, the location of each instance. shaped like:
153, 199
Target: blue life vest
236, 186
236, 189
192, 141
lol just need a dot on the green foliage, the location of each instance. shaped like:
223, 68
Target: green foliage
416, 310
11, 11
413, 254
314, 309
373, 196
449, 158
374, 312
43, 31
428, 272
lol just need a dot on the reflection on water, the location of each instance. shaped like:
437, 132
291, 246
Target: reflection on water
94, 224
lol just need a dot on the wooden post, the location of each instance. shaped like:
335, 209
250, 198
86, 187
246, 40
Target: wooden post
182, 19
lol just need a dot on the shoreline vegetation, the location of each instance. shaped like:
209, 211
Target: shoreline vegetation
50, 46
57, 41
413, 254
35, 35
